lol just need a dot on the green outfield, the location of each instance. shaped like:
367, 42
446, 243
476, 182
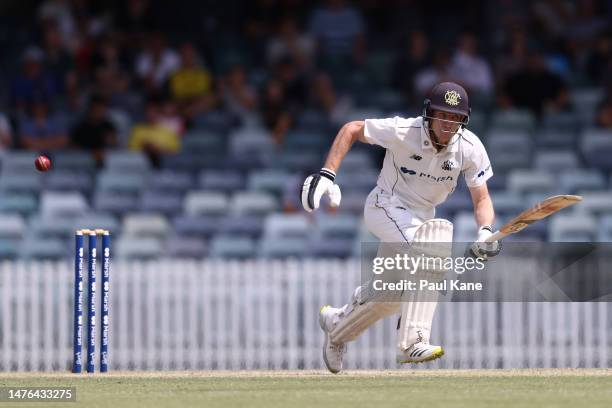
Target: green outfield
378, 389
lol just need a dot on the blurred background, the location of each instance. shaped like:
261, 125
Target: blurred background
186, 128
192, 125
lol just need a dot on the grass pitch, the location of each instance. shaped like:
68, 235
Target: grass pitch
376, 389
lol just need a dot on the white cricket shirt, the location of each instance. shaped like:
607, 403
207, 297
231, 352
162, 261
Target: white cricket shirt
415, 172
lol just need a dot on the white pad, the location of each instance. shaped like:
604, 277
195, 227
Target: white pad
358, 315
434, 240
365, 308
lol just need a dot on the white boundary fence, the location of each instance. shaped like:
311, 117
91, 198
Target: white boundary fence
263, 315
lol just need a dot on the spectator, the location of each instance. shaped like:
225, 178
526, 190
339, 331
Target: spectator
57, 60
156, 63
469, 69
134, 20
108, 55
191, 85
599, 62
289, 42
603, 116
437, 72
413, 57
338, 29
33, 82
552, 17
170, 117
95, 132
239, 98
6, 134
323, 98
275, 112
59, 13
513, 58
115, 87
294, 83
535, 87
40, 131
152, 136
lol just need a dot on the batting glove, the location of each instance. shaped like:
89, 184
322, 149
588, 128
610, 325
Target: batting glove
317, 185
482, 249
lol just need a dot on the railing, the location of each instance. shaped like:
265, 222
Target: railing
263, 315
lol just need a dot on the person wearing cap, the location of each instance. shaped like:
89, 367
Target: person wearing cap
424, 158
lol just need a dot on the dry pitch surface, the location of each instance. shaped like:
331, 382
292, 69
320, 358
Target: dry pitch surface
297, 389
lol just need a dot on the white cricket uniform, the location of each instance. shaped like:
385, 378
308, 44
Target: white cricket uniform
415, 177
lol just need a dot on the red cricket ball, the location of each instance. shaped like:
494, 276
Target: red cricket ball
42, 163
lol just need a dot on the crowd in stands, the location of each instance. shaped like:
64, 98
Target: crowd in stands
148, 75
76, 62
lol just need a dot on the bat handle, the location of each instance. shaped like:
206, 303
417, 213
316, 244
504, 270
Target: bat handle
497, 235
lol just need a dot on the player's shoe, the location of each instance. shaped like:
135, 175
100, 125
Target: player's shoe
419, 353
332, 353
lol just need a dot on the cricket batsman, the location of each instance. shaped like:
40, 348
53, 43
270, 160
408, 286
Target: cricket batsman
423, 160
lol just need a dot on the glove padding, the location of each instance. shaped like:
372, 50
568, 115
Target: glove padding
317, 185
482, 249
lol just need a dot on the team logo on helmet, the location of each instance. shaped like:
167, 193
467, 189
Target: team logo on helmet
452, 98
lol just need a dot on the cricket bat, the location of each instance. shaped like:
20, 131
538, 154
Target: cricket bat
539, 211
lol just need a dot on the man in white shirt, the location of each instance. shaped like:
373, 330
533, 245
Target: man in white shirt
424, 157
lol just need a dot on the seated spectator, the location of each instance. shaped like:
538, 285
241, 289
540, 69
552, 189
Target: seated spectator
40, 131
437, 72
170, 117
603, 117
324, 98
289, 42
513, 57
152, 136
57, 60
95, 132
6, 134
33, 82
191, 85
294, 82
338, 29
275, 112
238, 96
156, 63
599, 62
468, 68
413, 57
535, 87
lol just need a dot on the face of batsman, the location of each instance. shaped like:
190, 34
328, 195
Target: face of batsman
445, 124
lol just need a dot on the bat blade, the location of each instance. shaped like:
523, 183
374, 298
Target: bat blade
539, 211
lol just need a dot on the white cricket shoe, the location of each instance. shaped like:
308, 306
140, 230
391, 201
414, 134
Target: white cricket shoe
332, 353
419, 353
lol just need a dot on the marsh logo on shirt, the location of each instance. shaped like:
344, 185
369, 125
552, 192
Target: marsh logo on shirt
448, 165
427, 176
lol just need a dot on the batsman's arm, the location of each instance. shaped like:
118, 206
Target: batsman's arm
317, 185
485, 215
483, 205
348, 134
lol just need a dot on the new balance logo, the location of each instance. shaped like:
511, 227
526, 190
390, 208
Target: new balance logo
416, 157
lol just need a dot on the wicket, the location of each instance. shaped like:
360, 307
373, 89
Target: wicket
91, 300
